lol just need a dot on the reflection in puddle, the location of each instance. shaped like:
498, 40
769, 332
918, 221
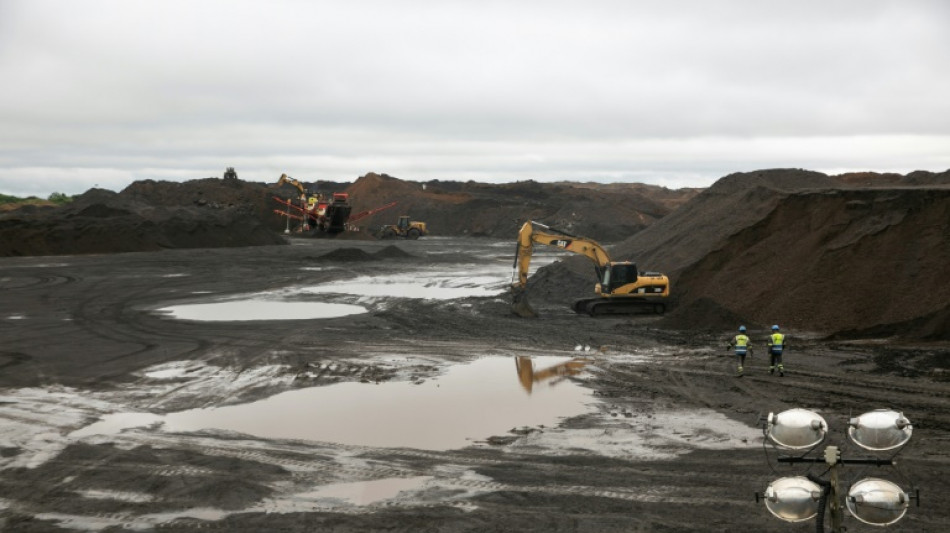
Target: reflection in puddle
242, 310
468, 403
529, 376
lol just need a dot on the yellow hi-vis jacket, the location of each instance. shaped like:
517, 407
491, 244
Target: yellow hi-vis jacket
742, 344
776, 343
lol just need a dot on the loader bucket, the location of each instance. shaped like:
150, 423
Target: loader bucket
520, 305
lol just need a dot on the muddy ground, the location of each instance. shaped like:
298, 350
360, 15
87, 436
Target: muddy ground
671, 440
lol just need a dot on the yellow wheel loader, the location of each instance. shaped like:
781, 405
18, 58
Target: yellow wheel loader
622, 289
403, 228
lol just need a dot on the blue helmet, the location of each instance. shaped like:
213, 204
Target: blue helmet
742, 329
775, 328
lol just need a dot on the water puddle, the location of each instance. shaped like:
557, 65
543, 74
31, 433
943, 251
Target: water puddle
244, 310
444, 283
466, 404
365, 492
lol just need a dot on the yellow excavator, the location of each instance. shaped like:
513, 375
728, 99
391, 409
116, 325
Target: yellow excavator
284, 178
622, 289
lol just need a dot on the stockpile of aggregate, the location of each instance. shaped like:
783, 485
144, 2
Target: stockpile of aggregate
356, 254
152, 215
850, 255
146, 216
607, 213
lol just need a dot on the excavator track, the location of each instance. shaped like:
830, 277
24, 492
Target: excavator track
612, 306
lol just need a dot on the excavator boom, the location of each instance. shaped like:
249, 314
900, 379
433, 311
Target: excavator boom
284, 178
535, 232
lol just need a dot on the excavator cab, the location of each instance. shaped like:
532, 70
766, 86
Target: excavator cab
618, 275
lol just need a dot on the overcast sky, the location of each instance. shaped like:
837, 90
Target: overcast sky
674, 93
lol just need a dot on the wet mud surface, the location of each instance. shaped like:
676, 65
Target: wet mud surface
668, 439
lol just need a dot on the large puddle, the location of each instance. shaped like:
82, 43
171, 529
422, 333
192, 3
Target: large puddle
466, 404
285, 304
421, 285
257, 309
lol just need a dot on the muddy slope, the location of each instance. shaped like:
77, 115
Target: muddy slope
805, 250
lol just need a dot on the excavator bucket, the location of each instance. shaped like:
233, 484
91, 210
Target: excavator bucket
520, 305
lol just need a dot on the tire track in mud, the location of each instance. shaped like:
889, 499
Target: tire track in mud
13, 358
32, 282
111, 319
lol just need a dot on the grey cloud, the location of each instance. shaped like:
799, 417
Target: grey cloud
132, 86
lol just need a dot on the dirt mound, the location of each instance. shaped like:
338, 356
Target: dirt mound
346, 254
213, 212
102, 221
808, 251
562, 282
356, 254
875, 179
851, 255
392, 252
603, 212
254, 199
698, 227
704, 314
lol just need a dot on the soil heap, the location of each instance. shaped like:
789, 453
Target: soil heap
853, 255
145, 216
150, 215
605, 212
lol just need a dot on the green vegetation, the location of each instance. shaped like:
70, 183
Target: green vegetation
57, 198
60, 198
7, 199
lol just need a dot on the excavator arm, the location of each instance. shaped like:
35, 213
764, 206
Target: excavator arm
284, 178
532, 233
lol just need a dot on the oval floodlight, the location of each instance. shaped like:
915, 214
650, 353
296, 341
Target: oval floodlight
880, 430
793, 499
877, 501
797, 429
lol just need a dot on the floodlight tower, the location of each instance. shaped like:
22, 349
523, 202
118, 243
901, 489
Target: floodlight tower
871, 500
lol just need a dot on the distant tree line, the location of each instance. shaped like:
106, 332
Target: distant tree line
57, 198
